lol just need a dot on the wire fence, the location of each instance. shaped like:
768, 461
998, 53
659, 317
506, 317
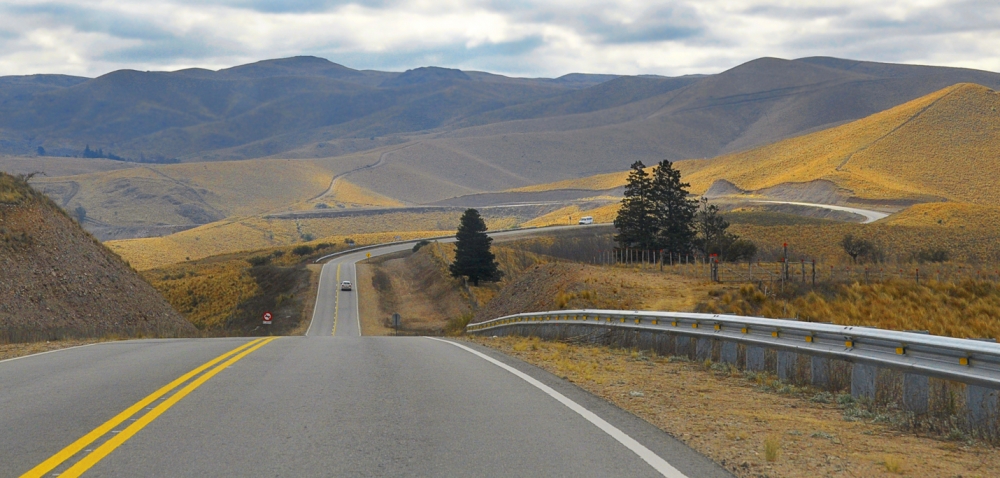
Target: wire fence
801, 271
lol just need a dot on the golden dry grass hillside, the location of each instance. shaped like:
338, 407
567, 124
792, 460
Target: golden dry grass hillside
572, 214
943, 146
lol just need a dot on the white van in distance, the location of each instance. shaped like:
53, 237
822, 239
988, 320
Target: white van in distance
587, 220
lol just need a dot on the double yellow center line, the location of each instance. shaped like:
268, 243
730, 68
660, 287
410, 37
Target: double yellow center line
108, 446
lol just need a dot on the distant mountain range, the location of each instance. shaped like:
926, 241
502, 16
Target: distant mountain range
307, 107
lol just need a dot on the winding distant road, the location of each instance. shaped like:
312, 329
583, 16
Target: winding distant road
331, 403
869, 215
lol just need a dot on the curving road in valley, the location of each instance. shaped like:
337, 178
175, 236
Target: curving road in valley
331, 403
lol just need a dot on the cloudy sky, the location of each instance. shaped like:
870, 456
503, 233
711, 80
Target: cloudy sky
515, 37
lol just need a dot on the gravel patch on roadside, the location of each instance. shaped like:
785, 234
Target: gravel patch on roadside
9, 351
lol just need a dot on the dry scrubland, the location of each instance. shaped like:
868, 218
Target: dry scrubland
351, 195
226, 295
572, 214
419, 286
191, 193
967, 309
251, 233
258, 233
749, 423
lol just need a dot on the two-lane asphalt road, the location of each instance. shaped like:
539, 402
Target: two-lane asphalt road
331, 403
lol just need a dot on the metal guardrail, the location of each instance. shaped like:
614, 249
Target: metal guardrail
969, 361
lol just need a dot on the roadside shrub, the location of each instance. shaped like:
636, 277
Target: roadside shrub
302, 250
456, 326
931, 255
417, 246
257, 261
323, 245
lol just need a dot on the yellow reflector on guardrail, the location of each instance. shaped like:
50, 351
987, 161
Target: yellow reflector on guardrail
774, 334
963, 361
809, 338
637, 321
745, 330
849, 343
694, 325
718, 327
900, 350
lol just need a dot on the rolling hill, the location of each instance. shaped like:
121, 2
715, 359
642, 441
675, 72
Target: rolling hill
941, 147
428, 135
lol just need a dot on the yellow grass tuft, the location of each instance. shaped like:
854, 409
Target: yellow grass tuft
772, 448
893, 464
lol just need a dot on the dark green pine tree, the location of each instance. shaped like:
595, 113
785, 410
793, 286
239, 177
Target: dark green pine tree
473, 258
673, 211
635, 222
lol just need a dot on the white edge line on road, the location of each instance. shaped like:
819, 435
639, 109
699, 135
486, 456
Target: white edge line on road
48, 352
654, 460
357, 299
319, 289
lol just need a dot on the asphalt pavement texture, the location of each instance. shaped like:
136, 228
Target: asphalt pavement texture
331, 403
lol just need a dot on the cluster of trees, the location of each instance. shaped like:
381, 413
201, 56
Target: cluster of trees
656, 214
100, 154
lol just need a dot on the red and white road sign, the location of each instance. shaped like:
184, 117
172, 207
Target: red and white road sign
267, 317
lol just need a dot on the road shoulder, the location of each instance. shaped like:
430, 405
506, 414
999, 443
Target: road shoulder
679, 455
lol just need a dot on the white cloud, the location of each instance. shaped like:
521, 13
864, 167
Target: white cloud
529, 37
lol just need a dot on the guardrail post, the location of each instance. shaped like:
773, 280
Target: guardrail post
916, 393
863, 381
755, 358
916, 388
683, 347
729, 352
703, 349
787, 362
820, 371
982, 405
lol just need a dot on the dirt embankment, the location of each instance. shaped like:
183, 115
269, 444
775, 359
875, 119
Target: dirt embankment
59, 282
416, 286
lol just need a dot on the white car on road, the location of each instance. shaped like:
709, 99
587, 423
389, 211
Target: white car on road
346, 285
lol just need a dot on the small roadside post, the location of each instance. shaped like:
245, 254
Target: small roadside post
267, 318
396, 320
368, 255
